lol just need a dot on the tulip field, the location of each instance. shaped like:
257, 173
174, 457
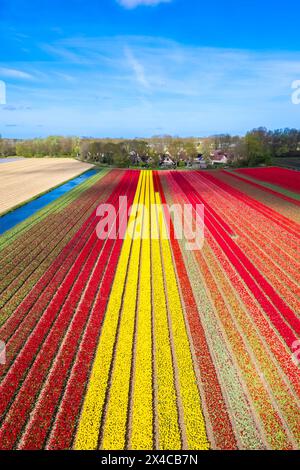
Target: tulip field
136, 342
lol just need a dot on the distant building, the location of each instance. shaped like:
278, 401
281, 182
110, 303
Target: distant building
219, 158
167, 162
199, 162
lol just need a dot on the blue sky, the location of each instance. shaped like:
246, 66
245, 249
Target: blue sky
127, 68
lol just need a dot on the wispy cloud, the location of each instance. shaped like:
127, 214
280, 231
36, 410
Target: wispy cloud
16, 108
14, 73
130, 4
137, 68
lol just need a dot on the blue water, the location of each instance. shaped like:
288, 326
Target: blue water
9, 160
13, 218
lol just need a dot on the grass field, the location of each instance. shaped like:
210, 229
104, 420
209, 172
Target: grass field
136, 342
23, 179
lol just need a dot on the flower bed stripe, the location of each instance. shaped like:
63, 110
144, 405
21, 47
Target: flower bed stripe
276, 346
287, 179
62, 433
270, 200
27, 314
249, 435
167, 429
25, 283
268, 415
284, 222
141, 424
281, 244
256, 247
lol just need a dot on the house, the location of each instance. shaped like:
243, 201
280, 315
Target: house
167, 162
219, 158
199, 162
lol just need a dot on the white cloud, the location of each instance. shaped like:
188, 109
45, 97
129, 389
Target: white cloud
135, 3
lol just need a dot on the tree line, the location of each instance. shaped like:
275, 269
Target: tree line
258, 146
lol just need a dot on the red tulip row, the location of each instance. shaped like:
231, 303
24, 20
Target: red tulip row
288, 179
59, 317
284, 319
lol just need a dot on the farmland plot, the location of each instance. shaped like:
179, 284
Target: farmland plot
136, 341
21, 180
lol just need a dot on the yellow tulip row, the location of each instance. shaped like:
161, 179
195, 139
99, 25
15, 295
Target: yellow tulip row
92, 413
141, 437
194, 424
168, 431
